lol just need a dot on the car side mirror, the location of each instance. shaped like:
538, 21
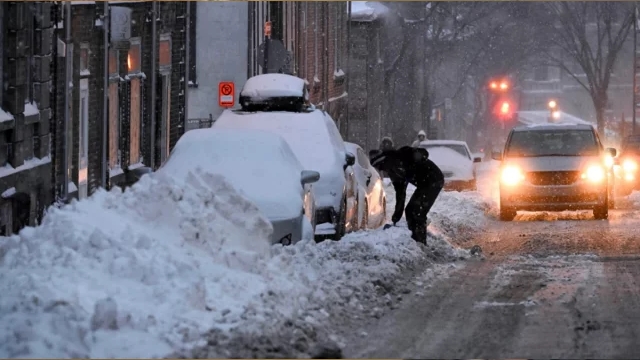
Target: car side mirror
350, 159
611, 151
309, 177
477, 159
496, 156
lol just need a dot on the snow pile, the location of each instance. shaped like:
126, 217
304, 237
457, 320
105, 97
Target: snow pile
455, 217
634, 198
134, 274
168, 269
366, 11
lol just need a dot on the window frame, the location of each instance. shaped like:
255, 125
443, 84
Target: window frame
193, 21
134, 42
135, 118
84, 48
83, 139
165, 111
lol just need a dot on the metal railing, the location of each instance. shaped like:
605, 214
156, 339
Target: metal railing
199, 123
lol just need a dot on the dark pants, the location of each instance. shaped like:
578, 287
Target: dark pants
417, 209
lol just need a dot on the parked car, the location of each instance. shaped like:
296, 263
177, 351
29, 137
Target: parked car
371, 197
260, 165
278, 103
454, 158
555, 168
626, 166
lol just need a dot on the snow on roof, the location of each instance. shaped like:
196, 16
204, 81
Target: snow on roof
258, 163
367, 10
273, 85
542, 118
443, 142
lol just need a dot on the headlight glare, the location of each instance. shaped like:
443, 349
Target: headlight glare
511, 175
629, 165
608, 161
594, 173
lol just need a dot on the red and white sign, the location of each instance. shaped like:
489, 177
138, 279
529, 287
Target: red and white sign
226, 94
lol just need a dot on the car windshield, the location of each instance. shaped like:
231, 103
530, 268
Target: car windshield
552, 143
460, 149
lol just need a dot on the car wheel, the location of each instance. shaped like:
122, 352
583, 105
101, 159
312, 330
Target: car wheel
365, 217
341, 226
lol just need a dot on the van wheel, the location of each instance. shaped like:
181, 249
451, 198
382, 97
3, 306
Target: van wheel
341, 226
601, 212
507, 214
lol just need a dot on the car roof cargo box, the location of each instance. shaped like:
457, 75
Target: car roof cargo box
274, 92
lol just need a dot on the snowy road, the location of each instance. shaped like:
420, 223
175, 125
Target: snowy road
551, 286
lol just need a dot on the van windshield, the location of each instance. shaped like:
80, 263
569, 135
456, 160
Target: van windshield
532, 143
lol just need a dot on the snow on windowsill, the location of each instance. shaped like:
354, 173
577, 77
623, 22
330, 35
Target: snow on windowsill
31, 109
343, 95
28, 164
315, 79
116, 171
136, 166
99, 22
5, 116
83, 2
338, 74
8, 193
85, 72
72, 187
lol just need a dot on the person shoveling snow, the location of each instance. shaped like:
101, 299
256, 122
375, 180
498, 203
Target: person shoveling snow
405, 166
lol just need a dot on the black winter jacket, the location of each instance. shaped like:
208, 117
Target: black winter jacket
408, 165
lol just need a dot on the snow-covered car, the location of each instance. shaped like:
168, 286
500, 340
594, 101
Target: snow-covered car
372, 199
279, 103
454, 158
262, 167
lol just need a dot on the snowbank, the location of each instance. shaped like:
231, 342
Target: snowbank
170, 268
134, 274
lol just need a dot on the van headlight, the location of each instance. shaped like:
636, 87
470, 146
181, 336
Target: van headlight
511, 175
629, 166
594, 173
608, 160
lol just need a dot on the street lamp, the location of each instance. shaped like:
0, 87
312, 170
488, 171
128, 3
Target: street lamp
555, 115
553, 110
552, 104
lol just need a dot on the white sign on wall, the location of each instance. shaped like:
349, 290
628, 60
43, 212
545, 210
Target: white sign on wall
120, 23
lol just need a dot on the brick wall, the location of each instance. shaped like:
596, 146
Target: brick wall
321, 47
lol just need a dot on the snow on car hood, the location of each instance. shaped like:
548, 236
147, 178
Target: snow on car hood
308, 138
253, 162
449, 160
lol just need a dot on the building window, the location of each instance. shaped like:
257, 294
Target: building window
83, 139
135, 123
165, 83
113, 62
84, 59
316, 8
114, 126
193, 79
133, 57
541, 73
165, 131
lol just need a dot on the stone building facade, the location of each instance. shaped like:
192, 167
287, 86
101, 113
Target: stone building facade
25, 114
94, 96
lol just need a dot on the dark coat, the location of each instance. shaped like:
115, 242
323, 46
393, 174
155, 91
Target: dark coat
408, 165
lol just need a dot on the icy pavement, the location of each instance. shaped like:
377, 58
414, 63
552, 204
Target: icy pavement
165, 269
